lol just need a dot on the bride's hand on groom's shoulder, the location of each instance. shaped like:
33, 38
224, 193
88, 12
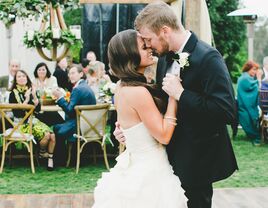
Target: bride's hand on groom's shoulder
172, 86
118, 133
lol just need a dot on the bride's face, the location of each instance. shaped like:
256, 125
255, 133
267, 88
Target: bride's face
145, 53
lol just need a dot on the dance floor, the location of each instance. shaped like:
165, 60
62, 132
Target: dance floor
223, 198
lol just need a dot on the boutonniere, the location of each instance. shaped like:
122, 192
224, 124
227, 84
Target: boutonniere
183, 59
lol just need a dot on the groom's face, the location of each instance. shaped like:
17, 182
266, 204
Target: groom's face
154, 41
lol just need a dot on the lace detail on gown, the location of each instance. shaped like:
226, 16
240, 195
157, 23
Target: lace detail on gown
142, 177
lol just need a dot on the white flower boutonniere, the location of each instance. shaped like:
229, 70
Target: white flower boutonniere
183, 59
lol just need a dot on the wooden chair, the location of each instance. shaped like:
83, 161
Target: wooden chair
91, 124
263, 102
13, 135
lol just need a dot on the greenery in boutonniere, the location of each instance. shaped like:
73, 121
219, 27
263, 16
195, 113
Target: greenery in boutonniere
37, 39
11, 9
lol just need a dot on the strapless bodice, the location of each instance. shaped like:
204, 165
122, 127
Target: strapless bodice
139, 139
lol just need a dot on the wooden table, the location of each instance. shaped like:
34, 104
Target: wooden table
51, 108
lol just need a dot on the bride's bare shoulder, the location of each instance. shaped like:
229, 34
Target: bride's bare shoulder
134, 91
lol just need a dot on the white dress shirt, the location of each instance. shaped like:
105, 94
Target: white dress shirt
175, 67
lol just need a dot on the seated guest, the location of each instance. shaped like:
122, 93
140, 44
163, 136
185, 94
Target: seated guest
61, 75
85, 65
44, 81
80, 95
43, 78
23, 92
247, 100
6, 81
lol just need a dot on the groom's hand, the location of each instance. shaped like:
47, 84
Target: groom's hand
172, 86
118, 133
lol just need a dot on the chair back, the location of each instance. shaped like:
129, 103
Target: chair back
15, 132
263, 101
91, 120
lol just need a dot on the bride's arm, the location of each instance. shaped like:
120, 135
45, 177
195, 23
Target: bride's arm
160, 127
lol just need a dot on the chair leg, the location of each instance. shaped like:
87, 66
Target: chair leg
262, 134
3, 156
94, 155
10, 154
36, 155
105, 157
31, 157
78, 157
70, 146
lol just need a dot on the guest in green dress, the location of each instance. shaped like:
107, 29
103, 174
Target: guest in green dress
247, 99
23, 92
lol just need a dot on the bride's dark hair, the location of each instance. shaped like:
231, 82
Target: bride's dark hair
124, 59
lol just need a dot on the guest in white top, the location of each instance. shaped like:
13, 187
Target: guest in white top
43, 78
45, 82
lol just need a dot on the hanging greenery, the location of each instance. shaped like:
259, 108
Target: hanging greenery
37, 39
11, 9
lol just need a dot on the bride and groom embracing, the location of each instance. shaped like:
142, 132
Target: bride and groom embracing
175, 133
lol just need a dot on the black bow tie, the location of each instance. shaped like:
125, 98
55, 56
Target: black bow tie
171, 56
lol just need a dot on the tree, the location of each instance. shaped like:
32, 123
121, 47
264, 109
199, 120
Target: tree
229, 34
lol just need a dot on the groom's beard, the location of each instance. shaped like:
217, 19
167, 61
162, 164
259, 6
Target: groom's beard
164, 48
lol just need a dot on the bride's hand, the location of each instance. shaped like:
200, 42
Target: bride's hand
118, 133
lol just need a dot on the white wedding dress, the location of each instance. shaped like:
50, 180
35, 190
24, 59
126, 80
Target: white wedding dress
142, 177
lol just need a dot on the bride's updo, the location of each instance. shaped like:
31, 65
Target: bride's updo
124, 59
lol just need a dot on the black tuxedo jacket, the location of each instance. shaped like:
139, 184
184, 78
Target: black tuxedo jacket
200, 150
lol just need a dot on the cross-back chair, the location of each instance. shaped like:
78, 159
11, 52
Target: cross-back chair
14, 134
91, 124
263, 102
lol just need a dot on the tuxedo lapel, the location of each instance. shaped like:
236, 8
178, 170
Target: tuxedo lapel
189, 48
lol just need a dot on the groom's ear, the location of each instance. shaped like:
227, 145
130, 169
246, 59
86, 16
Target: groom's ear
165, 30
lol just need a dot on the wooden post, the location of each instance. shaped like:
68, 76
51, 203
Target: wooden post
192, 16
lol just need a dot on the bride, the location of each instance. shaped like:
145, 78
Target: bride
142, 177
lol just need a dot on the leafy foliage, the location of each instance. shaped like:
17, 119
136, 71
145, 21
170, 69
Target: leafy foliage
11, 9
229, 34
74, 17
45, 39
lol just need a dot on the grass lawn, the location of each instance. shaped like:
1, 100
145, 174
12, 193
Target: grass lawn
252, 161
20, 180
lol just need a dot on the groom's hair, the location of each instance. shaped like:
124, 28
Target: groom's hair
155, 16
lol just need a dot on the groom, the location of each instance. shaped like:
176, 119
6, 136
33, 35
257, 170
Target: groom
200, 150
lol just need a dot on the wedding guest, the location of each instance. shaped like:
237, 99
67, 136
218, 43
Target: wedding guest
94, 64
43, 78
150, 75
23, 92
80, 95
61, 75
7, 80
247, 100
44, 82
85, 65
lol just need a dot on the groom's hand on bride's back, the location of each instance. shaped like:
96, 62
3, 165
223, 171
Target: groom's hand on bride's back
118, 133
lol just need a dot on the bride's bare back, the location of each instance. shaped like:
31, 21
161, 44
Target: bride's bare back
135, 105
